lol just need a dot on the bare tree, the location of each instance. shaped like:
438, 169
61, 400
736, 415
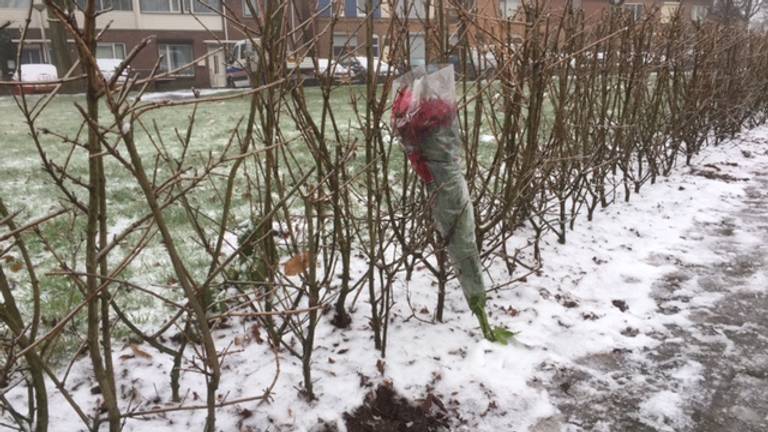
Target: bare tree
579, 116
737, 11
62, 57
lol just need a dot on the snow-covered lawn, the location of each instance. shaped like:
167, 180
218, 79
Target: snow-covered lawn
24, 186
23, 183
595, 295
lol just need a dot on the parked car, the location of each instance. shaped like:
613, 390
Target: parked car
380, 67
108, 67
321, 68
484, 59
36, 78
241, 60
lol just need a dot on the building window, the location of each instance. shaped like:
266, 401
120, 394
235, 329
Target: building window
668, 11
699, 13
180, 6
14, 4
118, 5
110, 50
508, 8
160, 6
343, 44
376, 46
324, 7
635, 10
247, 9
358, 8
350, 8
204, 6
418, 50
123, 5
415, 8
32, 54
577, 5
176, 56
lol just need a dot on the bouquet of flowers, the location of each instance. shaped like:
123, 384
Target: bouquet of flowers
424, 117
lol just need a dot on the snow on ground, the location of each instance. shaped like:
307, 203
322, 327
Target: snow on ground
597, 296
150, 96
702, 367
184, 94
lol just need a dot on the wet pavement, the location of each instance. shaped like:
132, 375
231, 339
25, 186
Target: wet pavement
709, 370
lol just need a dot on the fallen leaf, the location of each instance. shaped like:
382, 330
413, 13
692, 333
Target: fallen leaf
511, 311
16, 266
139, 352
621, 305
297, 264
256, 334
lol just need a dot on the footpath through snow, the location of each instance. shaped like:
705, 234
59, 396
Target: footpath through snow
651, 318
701, 363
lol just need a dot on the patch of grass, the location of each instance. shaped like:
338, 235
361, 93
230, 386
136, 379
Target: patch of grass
25, 186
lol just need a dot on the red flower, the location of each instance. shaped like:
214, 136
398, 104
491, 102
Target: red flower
420, 166
414, 124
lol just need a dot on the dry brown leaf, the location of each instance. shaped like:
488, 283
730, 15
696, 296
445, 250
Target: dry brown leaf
16, 266
140, 353
256, 334
297, 264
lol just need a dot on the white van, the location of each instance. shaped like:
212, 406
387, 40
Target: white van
240, 62
108, 67
307, 69
36, 78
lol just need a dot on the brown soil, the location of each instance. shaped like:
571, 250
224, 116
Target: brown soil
385, 411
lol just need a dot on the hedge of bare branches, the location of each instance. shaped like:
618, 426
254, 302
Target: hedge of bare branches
560, 116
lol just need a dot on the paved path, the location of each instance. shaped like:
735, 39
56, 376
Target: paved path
709, 373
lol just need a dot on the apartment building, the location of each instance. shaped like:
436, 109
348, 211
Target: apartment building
339, 26
348, 32
505, 18
695, 10
181, 30
185, 30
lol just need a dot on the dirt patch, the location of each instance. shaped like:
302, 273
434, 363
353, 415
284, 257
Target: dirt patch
714, 174
386, 411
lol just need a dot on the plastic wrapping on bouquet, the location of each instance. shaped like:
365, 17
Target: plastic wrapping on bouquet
424, 117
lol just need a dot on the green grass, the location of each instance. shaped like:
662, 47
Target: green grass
25, 186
